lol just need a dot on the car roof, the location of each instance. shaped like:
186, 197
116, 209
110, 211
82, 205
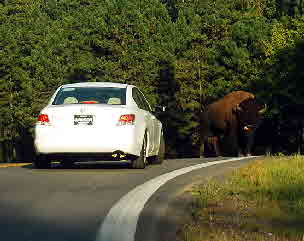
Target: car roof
96, 84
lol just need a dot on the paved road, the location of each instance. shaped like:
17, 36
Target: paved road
71, 204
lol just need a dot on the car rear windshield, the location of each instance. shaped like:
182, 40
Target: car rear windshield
91, 95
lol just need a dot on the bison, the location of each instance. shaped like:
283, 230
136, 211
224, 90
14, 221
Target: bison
231, 121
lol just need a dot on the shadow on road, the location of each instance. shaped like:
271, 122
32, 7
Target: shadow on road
19, 224
85, 166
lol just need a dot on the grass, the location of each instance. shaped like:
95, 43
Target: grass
5, 165
262, 201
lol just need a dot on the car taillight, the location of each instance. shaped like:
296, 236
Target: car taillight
43, 119
89, 102
126, 119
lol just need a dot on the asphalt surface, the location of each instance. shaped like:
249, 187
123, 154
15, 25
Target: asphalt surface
59, 204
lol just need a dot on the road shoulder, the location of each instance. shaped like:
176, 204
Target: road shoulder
170, 207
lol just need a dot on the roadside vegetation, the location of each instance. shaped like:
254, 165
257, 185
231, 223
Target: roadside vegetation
262, 201
181, 53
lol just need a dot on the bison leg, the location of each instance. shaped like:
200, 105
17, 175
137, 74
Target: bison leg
231, 144
211, 147
201, 151
246, 141
208, 148
249, 144
203, 146
215, 142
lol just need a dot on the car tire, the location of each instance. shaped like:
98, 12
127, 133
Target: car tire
141, 161
41, 161
159, 158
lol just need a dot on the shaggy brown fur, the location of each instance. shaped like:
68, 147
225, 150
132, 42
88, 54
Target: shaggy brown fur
221, 111
220, 119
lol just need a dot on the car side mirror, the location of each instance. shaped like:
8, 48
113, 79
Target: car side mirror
159, 108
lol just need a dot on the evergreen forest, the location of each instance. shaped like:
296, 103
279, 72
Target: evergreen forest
183, 54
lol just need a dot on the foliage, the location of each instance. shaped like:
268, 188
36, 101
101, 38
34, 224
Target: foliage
183, 54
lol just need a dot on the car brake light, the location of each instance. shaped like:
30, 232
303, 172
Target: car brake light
126, 119
43, 119
89, 102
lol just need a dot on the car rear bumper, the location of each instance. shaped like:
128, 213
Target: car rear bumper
86, 141
89, 156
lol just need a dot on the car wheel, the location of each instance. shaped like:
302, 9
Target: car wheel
41, 161
161, 153
141, 161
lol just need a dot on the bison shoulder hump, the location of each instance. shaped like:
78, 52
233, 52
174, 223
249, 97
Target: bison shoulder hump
240, 95
230, 100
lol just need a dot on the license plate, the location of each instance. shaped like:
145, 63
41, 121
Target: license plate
83, 120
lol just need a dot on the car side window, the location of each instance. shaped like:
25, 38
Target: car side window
140, 100
144, 101
137, 99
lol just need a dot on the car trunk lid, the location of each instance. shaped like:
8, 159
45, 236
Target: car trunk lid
84, 115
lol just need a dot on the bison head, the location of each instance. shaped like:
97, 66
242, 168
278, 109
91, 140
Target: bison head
249, 114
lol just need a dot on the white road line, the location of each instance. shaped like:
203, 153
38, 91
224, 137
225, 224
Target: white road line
121, 222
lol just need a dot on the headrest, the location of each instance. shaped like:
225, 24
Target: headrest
70, 100
114, 101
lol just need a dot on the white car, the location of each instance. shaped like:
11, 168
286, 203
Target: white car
98, 120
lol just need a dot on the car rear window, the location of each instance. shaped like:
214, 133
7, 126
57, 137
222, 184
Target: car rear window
91, 95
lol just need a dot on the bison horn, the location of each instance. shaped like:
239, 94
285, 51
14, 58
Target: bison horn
263, 110
238, 108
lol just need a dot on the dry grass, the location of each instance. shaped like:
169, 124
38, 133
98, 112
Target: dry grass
5, 165
263, 201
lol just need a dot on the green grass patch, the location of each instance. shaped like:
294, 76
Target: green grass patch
262, 201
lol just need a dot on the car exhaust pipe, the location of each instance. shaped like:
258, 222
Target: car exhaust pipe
118, 155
